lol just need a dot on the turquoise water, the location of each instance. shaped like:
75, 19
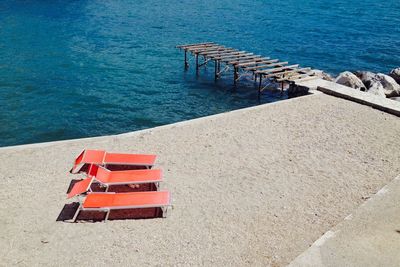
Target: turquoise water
72, 69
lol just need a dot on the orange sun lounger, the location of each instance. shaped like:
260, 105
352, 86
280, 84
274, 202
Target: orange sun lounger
104, 158
108, 201
106, 178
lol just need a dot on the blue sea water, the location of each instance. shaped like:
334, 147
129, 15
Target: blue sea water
71, 69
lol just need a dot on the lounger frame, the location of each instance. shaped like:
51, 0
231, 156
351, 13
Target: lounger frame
95, 178
164, 208
107, 184
78, 164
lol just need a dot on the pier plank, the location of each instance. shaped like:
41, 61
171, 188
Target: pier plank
238, 60
217, 52
190, 45
270, 63
295, 77
282, 73
203, 49
204, 52
258, 58
231, 55
245, 59
255, 62
200, 48
276, 69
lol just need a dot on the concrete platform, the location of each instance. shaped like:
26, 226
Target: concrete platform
368, 237
331, 88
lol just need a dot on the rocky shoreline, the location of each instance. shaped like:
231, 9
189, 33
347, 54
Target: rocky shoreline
384, 85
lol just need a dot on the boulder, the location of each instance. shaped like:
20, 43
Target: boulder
323, 75
390, 86
367, 77
349, 79
377, 89
395, 74
379, 84
371, 82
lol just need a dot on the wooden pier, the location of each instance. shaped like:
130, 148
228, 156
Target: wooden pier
243, 63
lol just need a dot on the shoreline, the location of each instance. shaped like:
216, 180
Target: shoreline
132, 133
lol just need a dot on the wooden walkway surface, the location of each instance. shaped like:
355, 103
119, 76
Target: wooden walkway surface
243, 62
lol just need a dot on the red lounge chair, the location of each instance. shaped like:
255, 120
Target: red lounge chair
108, 201
104, 158
107, 178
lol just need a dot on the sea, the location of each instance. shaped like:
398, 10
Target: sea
73, 69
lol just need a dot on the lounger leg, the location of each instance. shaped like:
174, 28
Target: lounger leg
76, 214
164, 212
157, 186
90, 170
106, 188
107, 215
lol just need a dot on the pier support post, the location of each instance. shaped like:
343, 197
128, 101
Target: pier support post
197, 63
259, 86
235, 74
186, 62
215, 70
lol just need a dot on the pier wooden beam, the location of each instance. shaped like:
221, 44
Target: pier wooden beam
282, 73
276, 69
238, 60
231, 55
195, 51
270, 63
205, 62
217, 52
200, 46
191, 45
209, 49
255, 62
249, 62
297, 76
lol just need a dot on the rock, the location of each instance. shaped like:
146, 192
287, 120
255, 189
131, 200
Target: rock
395, 74
391, 87
376, 88
323, 75
349, 79
371, 82
367, 77
379, 84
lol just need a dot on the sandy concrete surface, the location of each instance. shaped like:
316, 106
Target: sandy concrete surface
251, 187
369, 237
335, 89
